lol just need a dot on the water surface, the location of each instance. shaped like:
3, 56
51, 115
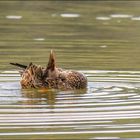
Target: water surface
108, 108
100, 39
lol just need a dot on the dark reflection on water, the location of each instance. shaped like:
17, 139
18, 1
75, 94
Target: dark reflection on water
100, 39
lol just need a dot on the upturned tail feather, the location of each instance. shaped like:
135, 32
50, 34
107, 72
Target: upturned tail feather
19, 65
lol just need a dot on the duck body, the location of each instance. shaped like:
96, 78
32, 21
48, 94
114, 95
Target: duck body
35, 76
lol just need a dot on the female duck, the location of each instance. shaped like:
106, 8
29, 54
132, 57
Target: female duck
34, 76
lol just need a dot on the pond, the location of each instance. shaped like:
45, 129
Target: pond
98, 38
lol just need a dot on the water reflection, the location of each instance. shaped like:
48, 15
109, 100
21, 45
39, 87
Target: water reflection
39, 39
13, 17
39, 97
103, 18
48, 96
120, 16
135, 18
70, 15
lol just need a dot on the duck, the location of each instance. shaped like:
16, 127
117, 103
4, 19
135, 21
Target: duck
51, 76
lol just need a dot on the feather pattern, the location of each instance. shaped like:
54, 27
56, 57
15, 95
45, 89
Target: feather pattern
35, 76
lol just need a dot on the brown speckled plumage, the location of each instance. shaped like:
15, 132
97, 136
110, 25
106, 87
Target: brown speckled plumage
34, 76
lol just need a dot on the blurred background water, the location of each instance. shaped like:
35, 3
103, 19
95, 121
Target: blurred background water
99, 38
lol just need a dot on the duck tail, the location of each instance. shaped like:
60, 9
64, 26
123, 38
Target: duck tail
19, 65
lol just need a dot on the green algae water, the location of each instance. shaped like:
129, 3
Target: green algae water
100, 39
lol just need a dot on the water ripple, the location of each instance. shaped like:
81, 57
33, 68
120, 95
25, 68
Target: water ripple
110, 105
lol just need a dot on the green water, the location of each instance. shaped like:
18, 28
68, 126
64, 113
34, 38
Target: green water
99, 38
78, 41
